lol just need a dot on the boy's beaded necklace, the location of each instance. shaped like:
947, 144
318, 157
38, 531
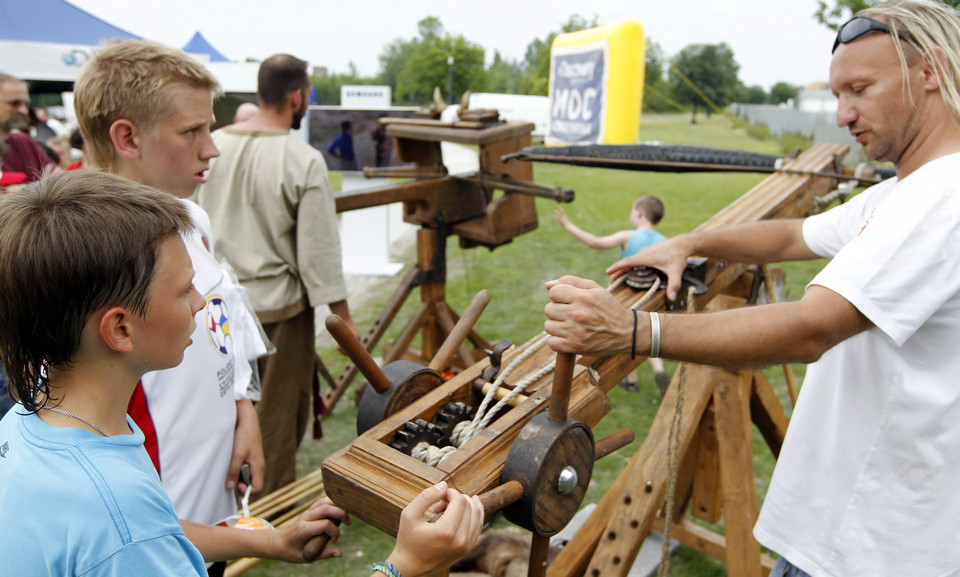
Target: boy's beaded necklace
77, 417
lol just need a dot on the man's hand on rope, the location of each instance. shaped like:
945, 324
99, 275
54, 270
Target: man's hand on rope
670, 256
585, 318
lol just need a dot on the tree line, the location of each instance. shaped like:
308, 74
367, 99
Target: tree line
699, 77
414, 67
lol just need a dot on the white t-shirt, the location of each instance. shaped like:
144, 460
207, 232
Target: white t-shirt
193, 405
868, 481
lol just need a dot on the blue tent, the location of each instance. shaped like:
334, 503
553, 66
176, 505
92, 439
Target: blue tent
49, 39
54, 21
45, 42
199, 45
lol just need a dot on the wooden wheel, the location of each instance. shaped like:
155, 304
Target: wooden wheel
553, 462
547, 470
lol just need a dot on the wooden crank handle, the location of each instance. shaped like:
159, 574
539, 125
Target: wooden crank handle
495, 499
460, 331
359, 355
315, 545
499, 497
612, 443
562, 382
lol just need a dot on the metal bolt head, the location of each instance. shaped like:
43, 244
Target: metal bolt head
568, 480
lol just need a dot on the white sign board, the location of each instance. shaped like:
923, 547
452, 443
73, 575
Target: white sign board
360, 96
578, 93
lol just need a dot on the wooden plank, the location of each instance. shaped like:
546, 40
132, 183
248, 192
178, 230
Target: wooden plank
431, 122
432, 291
462, 136
707, 500
767, 412
373, 484
573, 558
391, 193
685, 478
708, 542
770, 279
730, 398
630, 521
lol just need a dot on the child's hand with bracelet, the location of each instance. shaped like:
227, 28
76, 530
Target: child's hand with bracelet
423, 546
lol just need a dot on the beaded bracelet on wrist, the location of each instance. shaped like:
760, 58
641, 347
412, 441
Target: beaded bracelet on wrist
388, 569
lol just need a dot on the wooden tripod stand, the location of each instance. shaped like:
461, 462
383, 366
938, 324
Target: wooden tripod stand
464, 205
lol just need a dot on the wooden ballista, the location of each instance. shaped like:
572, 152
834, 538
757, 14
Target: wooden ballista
374, 479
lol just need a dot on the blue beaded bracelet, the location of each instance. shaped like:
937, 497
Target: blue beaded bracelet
388, 569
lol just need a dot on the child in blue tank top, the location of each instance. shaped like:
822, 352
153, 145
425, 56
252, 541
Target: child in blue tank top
647, 211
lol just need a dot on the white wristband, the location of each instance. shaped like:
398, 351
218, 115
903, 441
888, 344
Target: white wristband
654, 335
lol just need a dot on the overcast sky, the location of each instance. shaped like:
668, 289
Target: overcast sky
772, 40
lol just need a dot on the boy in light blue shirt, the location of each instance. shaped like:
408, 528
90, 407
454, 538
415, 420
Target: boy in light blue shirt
647, 211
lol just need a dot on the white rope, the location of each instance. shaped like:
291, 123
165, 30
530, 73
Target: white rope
431, 454
648, 296
617, 282
466, 430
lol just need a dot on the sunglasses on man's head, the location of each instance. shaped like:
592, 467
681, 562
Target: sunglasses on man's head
857, 27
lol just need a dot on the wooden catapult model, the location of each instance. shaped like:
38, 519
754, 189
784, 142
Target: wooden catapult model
531, 454
533, 458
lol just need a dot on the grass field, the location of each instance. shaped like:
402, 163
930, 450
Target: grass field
515, 273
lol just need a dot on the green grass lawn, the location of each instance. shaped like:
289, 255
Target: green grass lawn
515, 273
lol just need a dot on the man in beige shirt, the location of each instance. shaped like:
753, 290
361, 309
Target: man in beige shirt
272, 209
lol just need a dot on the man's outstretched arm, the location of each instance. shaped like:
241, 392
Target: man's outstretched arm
752, 243
584, 318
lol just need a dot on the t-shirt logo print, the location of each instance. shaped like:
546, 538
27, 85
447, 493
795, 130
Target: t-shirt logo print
218, 324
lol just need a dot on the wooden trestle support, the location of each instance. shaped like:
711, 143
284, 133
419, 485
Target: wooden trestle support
374, 481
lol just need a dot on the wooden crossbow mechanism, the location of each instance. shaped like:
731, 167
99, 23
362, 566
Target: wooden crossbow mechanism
521, 459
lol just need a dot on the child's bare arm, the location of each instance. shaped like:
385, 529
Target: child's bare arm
617, 239
222, 543
247, 448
